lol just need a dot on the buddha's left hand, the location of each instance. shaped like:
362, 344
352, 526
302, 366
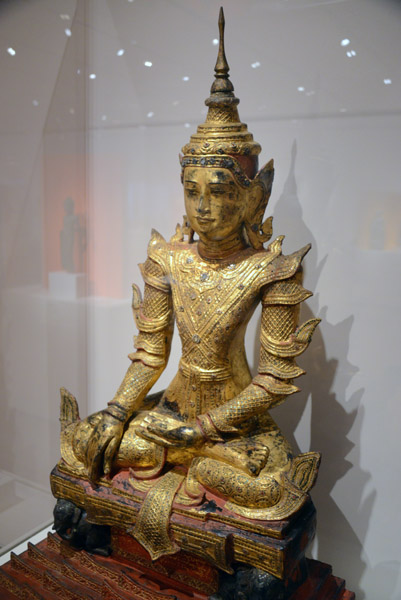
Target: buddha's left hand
169, 432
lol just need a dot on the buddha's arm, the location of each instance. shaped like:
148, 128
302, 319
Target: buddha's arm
154, 319
281, 342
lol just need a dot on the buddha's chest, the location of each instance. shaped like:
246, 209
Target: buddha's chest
212, 301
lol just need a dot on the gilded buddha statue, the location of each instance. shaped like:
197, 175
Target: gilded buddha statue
210, 433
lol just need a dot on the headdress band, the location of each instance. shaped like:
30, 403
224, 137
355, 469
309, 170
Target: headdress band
224, 162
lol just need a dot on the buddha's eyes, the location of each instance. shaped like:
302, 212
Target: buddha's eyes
212, 191
191, 192
228, 194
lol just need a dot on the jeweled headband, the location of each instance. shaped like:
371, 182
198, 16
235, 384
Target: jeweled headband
224, 162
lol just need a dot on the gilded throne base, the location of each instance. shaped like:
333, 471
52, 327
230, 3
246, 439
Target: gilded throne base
209, 531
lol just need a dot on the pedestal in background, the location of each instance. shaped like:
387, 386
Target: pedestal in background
67, 285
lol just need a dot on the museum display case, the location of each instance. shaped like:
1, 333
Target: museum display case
97, 100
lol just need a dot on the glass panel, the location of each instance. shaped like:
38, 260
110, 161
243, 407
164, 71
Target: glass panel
99, 116
43, 248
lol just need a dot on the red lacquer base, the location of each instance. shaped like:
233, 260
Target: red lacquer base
322, 585
52, 569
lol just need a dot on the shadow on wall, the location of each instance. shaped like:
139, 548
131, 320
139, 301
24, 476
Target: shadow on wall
329, 420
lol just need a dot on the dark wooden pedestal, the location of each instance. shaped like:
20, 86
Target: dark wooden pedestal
52, 569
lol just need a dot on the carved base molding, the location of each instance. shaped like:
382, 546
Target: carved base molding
321, 584
221, 557
52, 569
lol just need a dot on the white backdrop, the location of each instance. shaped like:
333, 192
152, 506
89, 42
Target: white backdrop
336, 145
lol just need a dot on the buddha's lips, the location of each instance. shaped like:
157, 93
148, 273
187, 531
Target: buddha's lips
204, 219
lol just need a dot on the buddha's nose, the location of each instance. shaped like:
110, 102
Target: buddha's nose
203, 206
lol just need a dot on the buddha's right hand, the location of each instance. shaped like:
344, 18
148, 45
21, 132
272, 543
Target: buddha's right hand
103, 445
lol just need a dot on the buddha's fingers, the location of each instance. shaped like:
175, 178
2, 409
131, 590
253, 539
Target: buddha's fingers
155, 421
146, 434
94, 456
109, 454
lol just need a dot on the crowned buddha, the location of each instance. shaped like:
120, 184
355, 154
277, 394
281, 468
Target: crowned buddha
210, 432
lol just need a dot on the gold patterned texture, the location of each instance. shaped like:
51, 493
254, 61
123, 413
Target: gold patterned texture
152, 523
213, 419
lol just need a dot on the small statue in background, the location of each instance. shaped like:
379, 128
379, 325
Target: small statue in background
72, 239
209, 437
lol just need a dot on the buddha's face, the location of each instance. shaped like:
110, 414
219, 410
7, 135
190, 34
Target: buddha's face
215, 203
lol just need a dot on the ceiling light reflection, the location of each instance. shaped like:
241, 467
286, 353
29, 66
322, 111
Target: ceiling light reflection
11, 51
65, 17
345, 42
120, 52
351, 53
67, 32
255, 65
104, 117
187, 125
92, 76
300, 88
387, 81
148, 63
185, 78
215, 42
150, 114
35, 102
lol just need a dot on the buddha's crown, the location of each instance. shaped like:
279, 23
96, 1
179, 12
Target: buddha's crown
223, 134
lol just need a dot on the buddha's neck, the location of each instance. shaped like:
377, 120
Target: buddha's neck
222, 249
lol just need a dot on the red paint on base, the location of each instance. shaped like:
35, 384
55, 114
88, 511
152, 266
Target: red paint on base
52, 569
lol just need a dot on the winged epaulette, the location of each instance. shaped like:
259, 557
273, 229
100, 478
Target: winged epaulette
157, 248
286, 291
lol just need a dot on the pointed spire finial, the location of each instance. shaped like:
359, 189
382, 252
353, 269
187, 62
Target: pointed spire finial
222, 83
221, 68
